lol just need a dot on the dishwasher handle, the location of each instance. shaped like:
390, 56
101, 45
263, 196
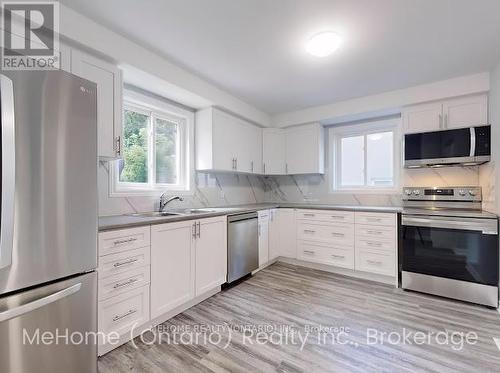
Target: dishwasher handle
240, 217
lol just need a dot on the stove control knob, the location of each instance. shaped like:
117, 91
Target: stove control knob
416, 192
472, 192
408, 192
462, 192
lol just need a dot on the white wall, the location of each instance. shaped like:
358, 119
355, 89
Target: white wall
490, 173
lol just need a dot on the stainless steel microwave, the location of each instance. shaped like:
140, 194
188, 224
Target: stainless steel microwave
462, 146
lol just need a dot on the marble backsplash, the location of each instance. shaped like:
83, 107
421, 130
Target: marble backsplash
223, 189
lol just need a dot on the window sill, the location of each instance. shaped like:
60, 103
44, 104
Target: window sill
150, 193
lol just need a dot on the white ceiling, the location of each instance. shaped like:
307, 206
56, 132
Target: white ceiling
254, 49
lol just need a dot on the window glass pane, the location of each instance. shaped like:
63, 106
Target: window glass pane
379, 159
352, 161
166, 151
133, 168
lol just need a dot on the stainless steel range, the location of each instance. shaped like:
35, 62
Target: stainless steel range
449, 246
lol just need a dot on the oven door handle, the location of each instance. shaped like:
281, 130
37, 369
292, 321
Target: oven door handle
486, 226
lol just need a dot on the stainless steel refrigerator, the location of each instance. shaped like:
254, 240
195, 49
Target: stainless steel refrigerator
48, 222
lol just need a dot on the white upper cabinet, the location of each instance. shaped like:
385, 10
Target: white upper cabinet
423, 118
225, 142
274, 151
467, 111
305, 149
108, 78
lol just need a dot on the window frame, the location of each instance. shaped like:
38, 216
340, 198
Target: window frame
365, 128
156, 108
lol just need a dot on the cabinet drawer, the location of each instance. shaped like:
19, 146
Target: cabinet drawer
122, 282
376, 218
339, 234
124, 261
326, 215
326, 254
381, 232
376, 245
122, 240
121, 313
375, 262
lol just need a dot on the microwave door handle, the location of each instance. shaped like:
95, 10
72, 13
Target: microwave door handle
38, 303
8, 175
472, 142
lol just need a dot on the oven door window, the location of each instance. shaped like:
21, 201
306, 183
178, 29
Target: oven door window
456, 254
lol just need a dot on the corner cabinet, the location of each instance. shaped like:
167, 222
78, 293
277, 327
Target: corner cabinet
305, 153
108, 78
459, 112
192, 255
225, 142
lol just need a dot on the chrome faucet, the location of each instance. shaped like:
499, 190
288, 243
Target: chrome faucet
163, 202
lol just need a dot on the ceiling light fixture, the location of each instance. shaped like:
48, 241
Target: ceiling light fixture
323, 44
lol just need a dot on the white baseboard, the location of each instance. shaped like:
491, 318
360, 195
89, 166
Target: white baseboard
342, 271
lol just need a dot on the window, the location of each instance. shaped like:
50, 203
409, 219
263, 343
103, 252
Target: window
156, 148
365, 156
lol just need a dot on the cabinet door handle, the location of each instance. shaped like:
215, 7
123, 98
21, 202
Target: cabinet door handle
335, 234
310, 252
264, 168
119, 264
445, 125
128, 240
126, 283
338, 256
286, 168
199, 229
128, 313
194, 230
235, 163
440, 121
374, 262
251, 165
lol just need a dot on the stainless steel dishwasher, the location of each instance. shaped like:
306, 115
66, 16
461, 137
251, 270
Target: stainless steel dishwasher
242, 245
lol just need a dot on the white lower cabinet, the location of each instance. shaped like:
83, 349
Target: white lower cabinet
210, 254
187, 259
360, 241
287, 239
273, 234
263, 237
172, 266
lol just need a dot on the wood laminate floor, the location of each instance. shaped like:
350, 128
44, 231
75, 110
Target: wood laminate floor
353, 313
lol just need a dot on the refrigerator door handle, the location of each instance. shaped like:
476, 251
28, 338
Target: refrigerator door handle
8, 171
31, 306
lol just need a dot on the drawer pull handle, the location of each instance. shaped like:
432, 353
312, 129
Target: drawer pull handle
309, 231
338, 216
126, 283
128, 313
128, 240
310, 252
374, 262
376, 244
338, 234
119, 264
374, 232
338, 256
311, 215
374, 219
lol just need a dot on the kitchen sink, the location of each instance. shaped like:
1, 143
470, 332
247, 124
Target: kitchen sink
156, 214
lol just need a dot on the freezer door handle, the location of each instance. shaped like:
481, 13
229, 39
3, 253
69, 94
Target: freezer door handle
8, 171
31, 306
